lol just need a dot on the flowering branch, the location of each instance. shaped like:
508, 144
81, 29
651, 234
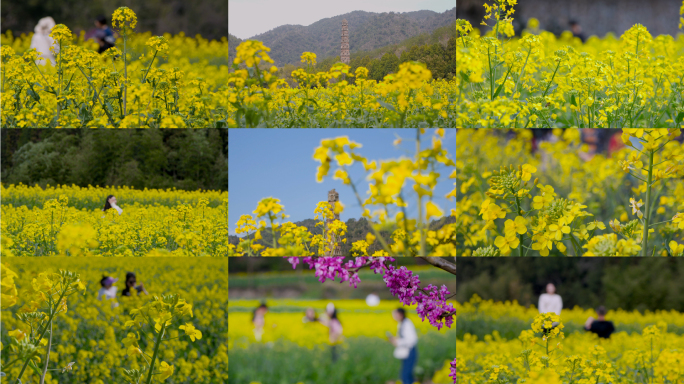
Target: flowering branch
431, 301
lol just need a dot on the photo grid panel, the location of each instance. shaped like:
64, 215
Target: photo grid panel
570, 192
132, 229
127, 64
355, 64
328, 320
342, 192
559, 320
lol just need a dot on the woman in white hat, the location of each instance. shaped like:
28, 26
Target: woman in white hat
42, 41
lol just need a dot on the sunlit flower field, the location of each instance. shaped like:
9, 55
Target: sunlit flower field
651, 353
407, 98
68, 221
539, 80
164, 82
299, 349
96, 337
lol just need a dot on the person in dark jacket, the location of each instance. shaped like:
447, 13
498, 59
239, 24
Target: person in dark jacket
576, 30
600, 326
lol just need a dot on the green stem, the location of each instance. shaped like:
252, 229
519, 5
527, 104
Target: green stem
517, 204
377, 233
125, 74
647, 213
547, 352
420, 200
273, 234
156, 350
149, 66
491, 77
42, 333
522, 70
552, 77
47, 356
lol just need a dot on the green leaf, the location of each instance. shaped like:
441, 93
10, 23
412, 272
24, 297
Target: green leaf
573, 100
33, 94
575, 244
502, 84
33, 366
387, 105
679, 118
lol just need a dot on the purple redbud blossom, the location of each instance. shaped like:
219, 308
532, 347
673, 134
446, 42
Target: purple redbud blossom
453, 371
404, 284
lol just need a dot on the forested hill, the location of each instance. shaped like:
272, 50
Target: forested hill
368, 31
233, 42
356, 230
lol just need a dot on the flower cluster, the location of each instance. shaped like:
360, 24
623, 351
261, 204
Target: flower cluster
164, 312
252, 52
453, 370
309, 58
159, 44
46, 298
122, 16
402, 283
61, 34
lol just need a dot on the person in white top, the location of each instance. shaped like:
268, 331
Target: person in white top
42, 41
405, 344
108, 290
259, 320
110, 202
550, 301
334, 325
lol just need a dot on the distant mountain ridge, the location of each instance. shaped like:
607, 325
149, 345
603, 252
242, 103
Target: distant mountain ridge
367, 31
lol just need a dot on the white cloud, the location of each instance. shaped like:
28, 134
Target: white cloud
247, 18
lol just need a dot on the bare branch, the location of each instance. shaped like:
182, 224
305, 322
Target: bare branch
441, 263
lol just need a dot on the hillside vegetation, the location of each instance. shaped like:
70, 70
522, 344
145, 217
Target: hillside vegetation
368, 31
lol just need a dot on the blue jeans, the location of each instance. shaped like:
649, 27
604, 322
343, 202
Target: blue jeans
407, 366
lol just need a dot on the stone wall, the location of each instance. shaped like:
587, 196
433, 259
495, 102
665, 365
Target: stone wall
597, 17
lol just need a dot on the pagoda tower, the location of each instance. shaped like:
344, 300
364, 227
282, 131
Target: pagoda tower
333, 198
344, 54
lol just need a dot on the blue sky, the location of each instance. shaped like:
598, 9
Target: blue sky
279, 163
247, 18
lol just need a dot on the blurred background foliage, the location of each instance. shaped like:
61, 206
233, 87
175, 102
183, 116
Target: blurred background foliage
141, 158
626, 283
208, 18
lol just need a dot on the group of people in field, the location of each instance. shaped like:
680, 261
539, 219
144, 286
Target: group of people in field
109, 291
552, 302
102, 34
405, 342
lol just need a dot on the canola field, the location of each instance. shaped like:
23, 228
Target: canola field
336, 98
651, 353
144, 82
300, 351
559, 199
539, 80
68, 221
95, 336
